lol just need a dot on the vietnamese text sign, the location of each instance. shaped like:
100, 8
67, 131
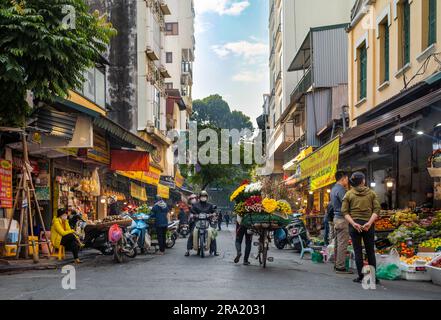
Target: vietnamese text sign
179, 179
150, 177
163, 191
138, 192
321, 166
5, 184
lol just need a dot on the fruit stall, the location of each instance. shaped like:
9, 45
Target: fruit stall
416, 237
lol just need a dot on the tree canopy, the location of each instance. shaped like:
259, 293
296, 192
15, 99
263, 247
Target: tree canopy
216, 111
45, 47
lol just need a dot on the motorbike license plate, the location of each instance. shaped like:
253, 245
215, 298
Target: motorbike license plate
202, 216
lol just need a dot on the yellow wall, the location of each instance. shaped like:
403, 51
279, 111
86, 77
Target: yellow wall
376, 96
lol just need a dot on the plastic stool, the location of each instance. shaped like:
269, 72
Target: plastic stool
60, 253
304, 249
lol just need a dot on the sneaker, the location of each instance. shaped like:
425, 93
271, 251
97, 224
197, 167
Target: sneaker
187, 254
246, 263
216, 254
358, 280
236, 260
343, 271
78, 261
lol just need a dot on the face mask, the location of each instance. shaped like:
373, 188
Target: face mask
193, 201
204, 199
64, 217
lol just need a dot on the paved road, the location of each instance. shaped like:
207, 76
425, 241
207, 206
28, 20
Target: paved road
174, 276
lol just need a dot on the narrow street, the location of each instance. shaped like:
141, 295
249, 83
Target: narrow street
176, 277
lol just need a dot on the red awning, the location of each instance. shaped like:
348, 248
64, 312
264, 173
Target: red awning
127, 160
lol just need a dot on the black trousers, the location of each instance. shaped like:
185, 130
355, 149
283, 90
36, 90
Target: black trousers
241, 232
71, 244
368, 238
162, 235
190, 237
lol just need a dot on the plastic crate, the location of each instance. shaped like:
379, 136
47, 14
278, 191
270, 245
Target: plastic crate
416, 272
10, 251
435, 273
31, 250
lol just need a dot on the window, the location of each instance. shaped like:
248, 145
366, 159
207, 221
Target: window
94, 87
169, 57
157, 107
404, 33
430, 13
362, 71
171, 29
384, 51
169, 85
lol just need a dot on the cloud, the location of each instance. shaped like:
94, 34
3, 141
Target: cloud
221, 7
201, 26
249, 76
245, 49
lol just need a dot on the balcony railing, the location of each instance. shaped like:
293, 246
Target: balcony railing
304, 84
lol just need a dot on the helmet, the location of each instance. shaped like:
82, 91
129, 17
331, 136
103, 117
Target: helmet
203, 193
192, 199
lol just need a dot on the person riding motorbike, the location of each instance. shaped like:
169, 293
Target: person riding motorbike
192, 200
198, 207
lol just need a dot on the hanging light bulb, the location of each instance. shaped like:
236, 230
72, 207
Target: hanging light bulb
373, 184
328, 190
399, 137
420, 132
376, 147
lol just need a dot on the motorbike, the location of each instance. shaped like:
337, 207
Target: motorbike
184, 230
289, 235
174, 235
139, 231
171, 235
202, 227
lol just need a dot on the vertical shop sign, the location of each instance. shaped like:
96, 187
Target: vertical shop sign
5, 184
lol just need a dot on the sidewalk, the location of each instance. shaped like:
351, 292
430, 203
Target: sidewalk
12, 265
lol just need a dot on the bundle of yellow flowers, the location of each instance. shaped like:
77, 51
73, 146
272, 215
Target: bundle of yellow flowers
269, 205
284, 207
237, 192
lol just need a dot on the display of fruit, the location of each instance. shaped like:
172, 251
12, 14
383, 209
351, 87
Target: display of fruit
432, 244
406, 251
403, 216
384, 224
399, 235
412, 260
436, 264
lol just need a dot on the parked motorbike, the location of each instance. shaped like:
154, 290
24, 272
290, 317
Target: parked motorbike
289, 235
171, 235
139, 231
174, 235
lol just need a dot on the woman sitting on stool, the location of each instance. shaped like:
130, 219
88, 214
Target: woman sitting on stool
63, 235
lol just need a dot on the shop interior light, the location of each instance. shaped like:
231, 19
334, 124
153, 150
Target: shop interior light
399, 137
420, 132
305, 201
311, 193
103, 200
389, 183
328, 190
297, 203
376, 148
373, 184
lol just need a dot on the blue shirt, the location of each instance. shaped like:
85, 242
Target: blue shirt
337, 194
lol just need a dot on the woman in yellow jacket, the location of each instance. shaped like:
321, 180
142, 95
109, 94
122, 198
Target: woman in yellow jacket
62, 234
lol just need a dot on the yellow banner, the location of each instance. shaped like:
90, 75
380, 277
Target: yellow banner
163, 191
150, 177
321, 166
138, 192
179, 179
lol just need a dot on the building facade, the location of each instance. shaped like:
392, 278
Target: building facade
289, 24
394, 97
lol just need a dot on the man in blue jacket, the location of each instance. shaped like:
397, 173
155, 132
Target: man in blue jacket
160, 213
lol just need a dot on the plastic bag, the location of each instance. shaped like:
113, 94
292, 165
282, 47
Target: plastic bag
115, 233
388, 267
317, 257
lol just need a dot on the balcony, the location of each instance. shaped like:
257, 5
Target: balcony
151, 54
164, 8
164, 72
302, 87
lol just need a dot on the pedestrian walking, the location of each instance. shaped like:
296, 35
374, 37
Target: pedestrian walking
219, 220
241, 232
361, 208
227, 219
160, 213
341, 226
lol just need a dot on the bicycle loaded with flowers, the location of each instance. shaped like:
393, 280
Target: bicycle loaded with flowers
258, 211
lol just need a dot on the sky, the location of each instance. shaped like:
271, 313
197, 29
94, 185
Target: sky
232, 53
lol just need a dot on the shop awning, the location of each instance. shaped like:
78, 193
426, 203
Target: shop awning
290, 166
123, 134
386, 119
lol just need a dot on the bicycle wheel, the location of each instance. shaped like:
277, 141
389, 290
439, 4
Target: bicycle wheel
265, 248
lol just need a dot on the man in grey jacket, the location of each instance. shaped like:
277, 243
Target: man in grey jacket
341, 226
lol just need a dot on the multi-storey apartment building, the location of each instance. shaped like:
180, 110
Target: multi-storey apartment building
289, 24
394, 96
